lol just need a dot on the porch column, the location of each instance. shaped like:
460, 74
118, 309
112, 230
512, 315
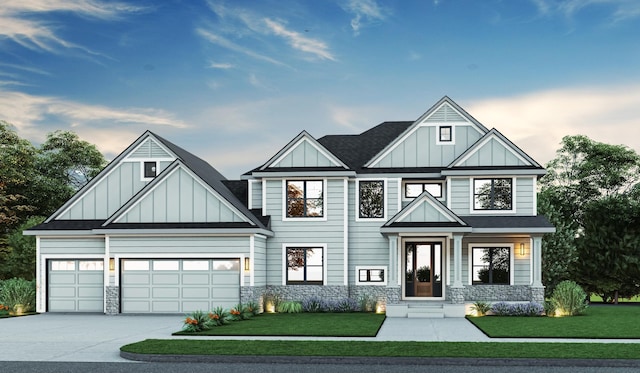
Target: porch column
536, 252
393, 260
457, 261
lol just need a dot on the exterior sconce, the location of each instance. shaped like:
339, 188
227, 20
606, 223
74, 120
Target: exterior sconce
521, 249
112, 264
246, 264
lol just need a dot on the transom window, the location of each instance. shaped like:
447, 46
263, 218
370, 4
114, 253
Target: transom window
491, 265
412, 190
445, 134
305, 198
492, 194
371, 194
305, 265
150, 169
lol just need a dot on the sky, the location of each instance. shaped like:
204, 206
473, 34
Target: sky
234, 81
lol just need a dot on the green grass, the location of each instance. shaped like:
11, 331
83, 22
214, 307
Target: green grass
601, 321
302, 324
598, 299
386, 349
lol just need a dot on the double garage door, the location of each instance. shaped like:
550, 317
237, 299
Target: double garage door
146, 285
178, 285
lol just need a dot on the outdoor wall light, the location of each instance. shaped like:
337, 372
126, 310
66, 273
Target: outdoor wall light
521, 249
246, 264
112, 264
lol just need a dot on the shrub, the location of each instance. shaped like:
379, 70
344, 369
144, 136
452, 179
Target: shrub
254, 308
290, 306
217, 317
481, 308
195, 322
346, 305
314, 304
517, 309
549, 308
4, 310
367, 303
240, 312
569, 299
18, 291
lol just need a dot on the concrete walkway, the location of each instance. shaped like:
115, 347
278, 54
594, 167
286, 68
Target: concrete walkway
87, 337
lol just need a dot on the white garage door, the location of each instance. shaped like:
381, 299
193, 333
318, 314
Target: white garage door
179, 285
75, 286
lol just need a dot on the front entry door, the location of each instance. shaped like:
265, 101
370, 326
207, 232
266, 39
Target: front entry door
423, 269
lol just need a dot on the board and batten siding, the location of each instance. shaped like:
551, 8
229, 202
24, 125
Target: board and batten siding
420, 149
304, 155
194, 203
302, 231
367, 246
72, 246
209, 245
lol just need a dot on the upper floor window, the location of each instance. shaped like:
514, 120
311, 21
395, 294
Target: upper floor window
412, 190
305, 265
305, 198
491, 265
150, 169
492, 194
445, 134
371, 194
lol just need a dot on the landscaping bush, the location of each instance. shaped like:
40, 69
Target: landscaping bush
517, 309
254, 308
18, 292
481, 308
346, 305
367, 303
314, 304
240, 312
569, 299
290, 306
501, 309
218, 317
195, 322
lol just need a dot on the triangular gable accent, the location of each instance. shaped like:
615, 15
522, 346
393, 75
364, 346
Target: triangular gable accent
158, 203
444, 111
101, 175
150, 148
425, 209
493, 149
304, 151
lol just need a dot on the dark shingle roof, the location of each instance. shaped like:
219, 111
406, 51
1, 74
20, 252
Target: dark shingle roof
538, 221
68, 225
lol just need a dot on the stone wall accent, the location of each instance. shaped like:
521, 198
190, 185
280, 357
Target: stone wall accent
497, 293
537, 294
253, 294
301, 292
113, 300
455, 294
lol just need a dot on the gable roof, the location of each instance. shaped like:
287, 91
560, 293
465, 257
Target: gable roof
298, 142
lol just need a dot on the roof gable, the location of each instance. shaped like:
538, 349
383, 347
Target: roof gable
425, 209
494, 150
303, 151
179, 195
150, 148
420, 146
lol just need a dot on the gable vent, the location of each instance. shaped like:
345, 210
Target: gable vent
445, 114
149, 149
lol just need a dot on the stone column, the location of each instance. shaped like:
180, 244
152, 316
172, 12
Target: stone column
113, 300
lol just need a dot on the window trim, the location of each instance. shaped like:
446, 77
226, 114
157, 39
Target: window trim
143, 175
384, 200
439, 140
285, 200
285, 268
512, 257
371, 283
472, 197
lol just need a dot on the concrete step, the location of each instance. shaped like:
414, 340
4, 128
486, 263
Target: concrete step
426, 312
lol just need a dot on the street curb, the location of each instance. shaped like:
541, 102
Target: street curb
306, 360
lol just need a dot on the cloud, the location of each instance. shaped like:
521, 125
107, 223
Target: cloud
300, 42
220, 65
365, 12
621, 10
20, 23
223, 42
34, 115
538, 121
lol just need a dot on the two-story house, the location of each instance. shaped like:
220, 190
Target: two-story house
437, 211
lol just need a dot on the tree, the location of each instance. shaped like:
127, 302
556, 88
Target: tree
583, 173
21, 259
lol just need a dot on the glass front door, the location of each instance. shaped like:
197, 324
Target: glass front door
423, 269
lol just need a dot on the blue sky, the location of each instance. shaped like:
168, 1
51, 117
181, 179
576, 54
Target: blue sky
234, 81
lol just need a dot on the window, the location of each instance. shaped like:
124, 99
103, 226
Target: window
491, 265
305, 265
226, 265
370, 275
91, 265
412, 190
492, 194
305, 199
371, 194
195, 265
63, 265
150, 170
445, 134
166, 265
136, 265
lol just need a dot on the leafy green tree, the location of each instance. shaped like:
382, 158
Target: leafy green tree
21, 259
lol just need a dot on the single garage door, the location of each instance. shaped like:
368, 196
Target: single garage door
179, 285
75, 286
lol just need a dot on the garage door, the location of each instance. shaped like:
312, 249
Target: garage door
75, 286
179, 286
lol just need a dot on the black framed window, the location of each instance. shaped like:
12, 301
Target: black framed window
305, 265
305, 198
491, 265
412, 190
371, 275
371, 195
446, 133
492, 194
150, 169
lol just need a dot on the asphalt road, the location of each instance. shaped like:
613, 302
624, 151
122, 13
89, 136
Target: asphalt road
110, 367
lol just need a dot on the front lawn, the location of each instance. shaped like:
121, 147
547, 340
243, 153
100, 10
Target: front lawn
386, 349
355, 324
599, 321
